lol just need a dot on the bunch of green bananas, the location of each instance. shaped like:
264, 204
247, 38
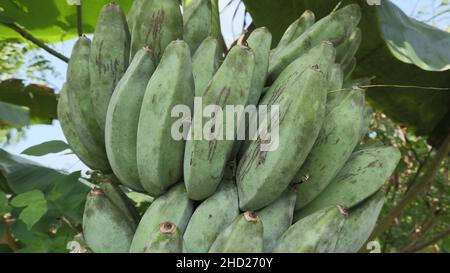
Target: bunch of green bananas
318, 191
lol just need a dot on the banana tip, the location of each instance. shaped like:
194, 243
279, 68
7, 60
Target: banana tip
167, 227
251, 216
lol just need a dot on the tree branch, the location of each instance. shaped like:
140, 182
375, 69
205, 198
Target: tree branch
25, 34
429, 242
79, 20
422, 184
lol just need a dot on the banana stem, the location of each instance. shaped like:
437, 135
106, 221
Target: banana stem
79, 20
422, 184
25, 34
428, 242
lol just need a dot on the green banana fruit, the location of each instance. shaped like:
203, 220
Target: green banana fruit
349, 67
205, 160
244, 235
120, 200
134, 12
259, 41
338, 137
277, 218
159, 154
108, 59
366, 121
200, 20
317, 233
167, 240
105, 228
205, 63
174, 206
158, 23
364, 174
210, 217
122, 118
78, 92
262, 176
346, 51
308, 60
335, 28
359, 224
72, 133
295, 30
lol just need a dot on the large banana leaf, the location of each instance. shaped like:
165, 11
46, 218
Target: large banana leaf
51, 20
397, 49
39, 99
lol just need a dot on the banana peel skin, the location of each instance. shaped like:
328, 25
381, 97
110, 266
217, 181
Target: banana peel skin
244, 235
109, 58
205, 159
174, 206
168, 239
160, 155
93, 160
122, 118
364, 174
316, 233
210, 218
277, 218
334, 28
360, 224
262, 176
105, 228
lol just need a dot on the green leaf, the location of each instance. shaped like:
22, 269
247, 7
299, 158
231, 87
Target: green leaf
35, 206
53, 146
4, 206
395, 48
40, 99
51, 20
24, 175
13, 115
2, 228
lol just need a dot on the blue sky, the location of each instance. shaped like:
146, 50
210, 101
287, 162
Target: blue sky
40, 133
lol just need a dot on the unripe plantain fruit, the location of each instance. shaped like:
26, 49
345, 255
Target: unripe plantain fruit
106, 229
347, 51
73, 135
277, 218
158, 23
205, 159
337, 138
205, 63
295, 30
134, 12
244, 235
200, 20
78, 93
108, 59
307, 60
168, 239
259, 41
263, 174
362, 175
118, 197
123, 117
335, 28
359, 224
317, 233
159, 153
174, 206
210, 218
